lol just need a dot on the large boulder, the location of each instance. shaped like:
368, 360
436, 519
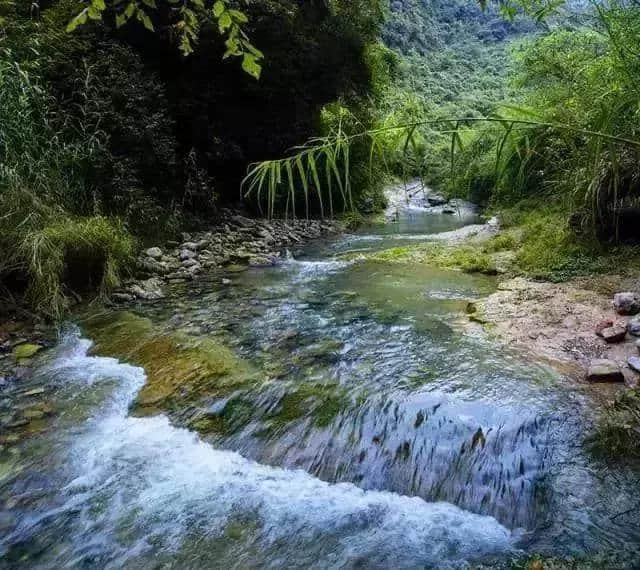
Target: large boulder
626, 303
604, 371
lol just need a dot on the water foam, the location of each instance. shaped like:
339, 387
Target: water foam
163, 484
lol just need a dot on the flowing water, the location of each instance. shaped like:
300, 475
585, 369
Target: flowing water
364, 428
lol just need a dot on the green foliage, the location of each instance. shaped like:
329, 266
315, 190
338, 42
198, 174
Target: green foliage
45, 173
186, 27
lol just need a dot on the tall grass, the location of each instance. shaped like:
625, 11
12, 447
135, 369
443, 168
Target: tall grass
50, 250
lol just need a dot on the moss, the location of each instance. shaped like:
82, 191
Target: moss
470, 258
323, 402
178, 367
26, 350
235, 415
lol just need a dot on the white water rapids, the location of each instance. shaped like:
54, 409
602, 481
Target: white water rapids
140, 488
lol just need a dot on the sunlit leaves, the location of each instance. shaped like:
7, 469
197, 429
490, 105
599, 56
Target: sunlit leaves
190, 15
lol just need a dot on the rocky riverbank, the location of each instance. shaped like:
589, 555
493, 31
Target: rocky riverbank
234, 241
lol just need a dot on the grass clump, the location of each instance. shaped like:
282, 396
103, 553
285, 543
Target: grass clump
52, 245
618, 432
77, 255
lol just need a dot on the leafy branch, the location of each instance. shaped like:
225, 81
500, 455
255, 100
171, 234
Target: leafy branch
190, 15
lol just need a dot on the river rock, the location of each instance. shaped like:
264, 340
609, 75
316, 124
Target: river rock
626, 303
242, 221
604, 371
260, 261
122, 297
149, 289
150, 265
436, 200
189, 263
605, 324
614, 334
154, 253
187, 254
633, 326
189, 245
634, 363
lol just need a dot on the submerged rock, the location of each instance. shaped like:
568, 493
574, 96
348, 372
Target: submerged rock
604, 371
626, 303
178, 367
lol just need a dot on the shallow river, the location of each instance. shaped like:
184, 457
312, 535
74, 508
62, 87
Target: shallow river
367, 427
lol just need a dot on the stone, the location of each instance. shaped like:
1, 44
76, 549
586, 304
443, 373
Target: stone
187, 254
26, 350
448, 211
626, 303
122, 297
153, 253
226, 281
150, 289
190, 245
242, 221
633, 326
202, 244
34, 392
260, 262
604, 324
634, 363
436, 200
604, 371
614, 334
150, 265
189, 262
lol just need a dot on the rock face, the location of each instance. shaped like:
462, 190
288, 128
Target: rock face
626, 303
604, 371
614, 334
633, 326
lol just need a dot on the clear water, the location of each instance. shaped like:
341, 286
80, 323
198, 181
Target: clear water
413, 444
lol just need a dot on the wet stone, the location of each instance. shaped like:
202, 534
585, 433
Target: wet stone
633, 326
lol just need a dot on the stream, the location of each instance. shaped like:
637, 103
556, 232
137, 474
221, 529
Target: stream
359, 422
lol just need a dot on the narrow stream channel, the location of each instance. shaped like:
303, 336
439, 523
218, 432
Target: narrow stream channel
365, 427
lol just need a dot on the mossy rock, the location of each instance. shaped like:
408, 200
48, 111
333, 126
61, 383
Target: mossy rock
26, 350
179, 368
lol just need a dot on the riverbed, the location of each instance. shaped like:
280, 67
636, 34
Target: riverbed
327, 412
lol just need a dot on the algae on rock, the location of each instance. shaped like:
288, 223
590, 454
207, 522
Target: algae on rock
178, 367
